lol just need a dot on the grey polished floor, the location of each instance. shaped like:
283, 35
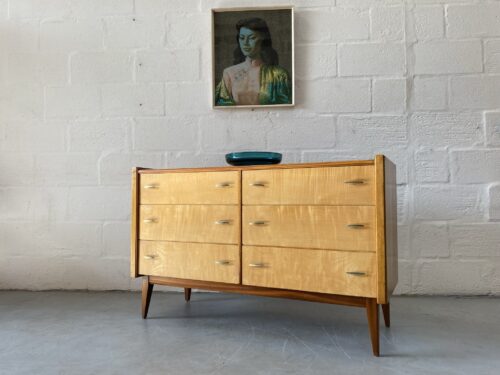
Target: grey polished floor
102, 333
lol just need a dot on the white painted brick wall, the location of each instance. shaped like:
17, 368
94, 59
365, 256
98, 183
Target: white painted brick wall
389, 95
89, 89
133, 100
492, 56
475, 166
72, 101
130, 32
168, 65
494, 202
384, 58
443, 57
492, 127
456, 276
431, 240
431, 165
319, 61
46, 68
475, 92
475, 240
429, 93
67, 35
460, 202
429, 22
338, 24
101, 67
446, 129
337, 95
387, 23
473, 20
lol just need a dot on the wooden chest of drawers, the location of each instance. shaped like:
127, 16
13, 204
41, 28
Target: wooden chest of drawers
323, 232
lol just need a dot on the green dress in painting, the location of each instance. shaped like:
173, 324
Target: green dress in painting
275, 88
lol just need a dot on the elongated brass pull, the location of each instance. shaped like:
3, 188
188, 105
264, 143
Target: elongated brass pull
223, 262
223, 222
151, 186
150, 220
356, 273
259, 222
356, 226
358, 181
256, 265
223, 185
258, 183
149, 256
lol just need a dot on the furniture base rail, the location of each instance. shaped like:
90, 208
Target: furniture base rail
370, 304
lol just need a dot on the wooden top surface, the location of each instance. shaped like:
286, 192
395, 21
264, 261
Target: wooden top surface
260, 167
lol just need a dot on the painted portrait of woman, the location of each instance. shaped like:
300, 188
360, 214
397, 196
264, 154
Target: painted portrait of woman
255, 77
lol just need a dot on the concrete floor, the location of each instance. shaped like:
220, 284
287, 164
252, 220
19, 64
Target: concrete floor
103, 333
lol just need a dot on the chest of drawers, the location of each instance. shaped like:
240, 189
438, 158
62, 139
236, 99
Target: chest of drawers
323, 232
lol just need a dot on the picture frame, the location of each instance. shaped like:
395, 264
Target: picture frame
253, 57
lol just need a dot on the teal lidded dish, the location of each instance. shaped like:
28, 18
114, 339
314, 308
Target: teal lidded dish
253, 158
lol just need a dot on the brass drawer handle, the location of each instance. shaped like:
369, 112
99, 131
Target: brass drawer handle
150, 220
356, 273
223, 185
223, 222
149, 256
256, 265
258, 183
152, 186
223, 262
358, 181
259, 222
356, 226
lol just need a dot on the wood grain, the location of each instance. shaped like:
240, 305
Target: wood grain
380, 230
187, 294
320, 227
391, 225
386, 309
386, 233
303, 251
190, 223
134, 264
258, 291
195, 261
310, 186
147, 291
261, 167
322, 271
373, 324
191, 188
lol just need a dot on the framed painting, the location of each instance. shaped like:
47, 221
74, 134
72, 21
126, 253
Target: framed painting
252, 57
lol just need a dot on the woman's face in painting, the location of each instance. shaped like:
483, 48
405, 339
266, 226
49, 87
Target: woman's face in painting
250, 42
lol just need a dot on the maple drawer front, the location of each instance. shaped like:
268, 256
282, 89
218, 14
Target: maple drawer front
190, 223
321, 271
319, 227
310, 186
195, 261
190, 188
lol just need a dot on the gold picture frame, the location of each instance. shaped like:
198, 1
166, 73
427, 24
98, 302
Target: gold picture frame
253, 57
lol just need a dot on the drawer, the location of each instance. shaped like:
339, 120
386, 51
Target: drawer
322, 271
320, 227
190, 223
193, 261
190, 188
310, 186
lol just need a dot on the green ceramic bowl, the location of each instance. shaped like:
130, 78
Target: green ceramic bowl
253, 158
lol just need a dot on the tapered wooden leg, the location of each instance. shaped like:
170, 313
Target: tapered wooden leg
187, 294
386, 309
372, 314
147, 290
